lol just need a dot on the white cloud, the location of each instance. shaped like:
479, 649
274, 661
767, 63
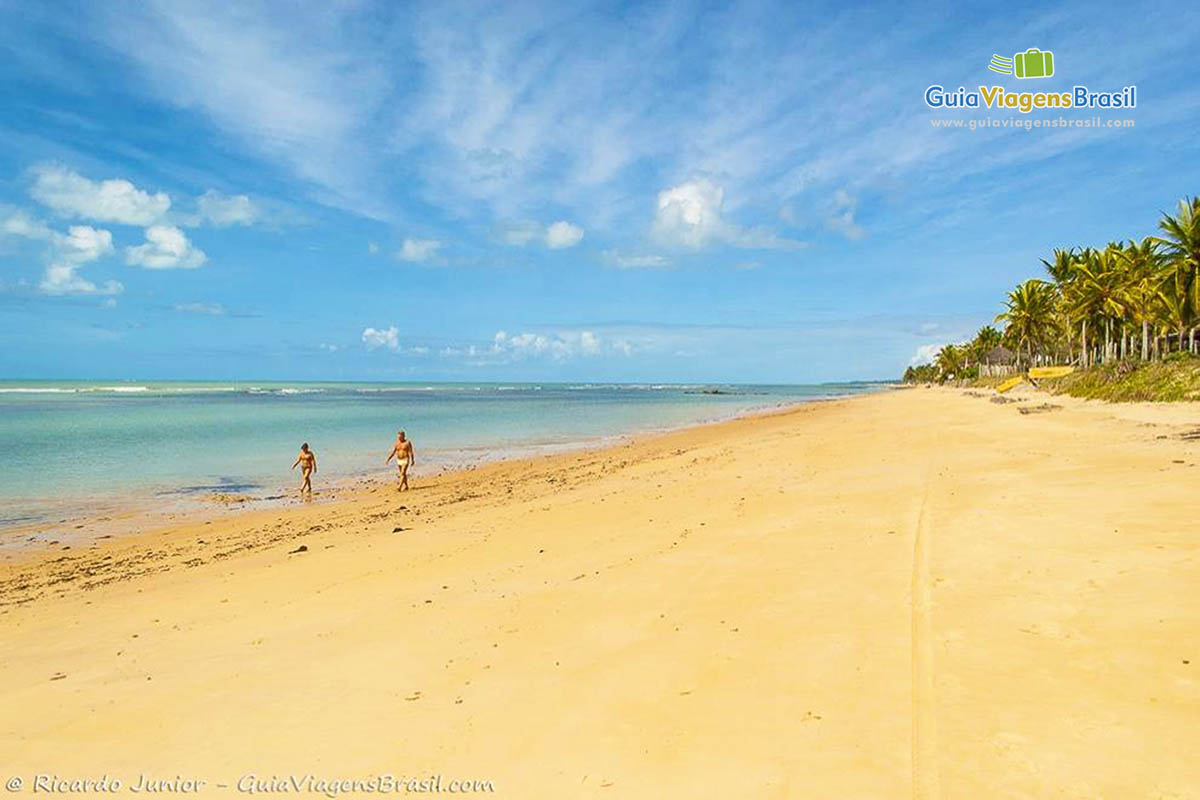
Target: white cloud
328, 348
841, 219
211, 309
690, 215
20, 223
415, 250
72, 195
558, 346
925, 354
119, 201
589, 343
563, 234
555, 236
223, 210
531, 344
375, 338
372, 248
67, 253
62, 279
166, 247
82, 244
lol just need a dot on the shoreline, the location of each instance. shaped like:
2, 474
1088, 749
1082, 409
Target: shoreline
128, 536
158, 506
846, 598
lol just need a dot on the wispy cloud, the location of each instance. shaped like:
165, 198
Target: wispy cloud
841, 217
222, 211
296, 88
208, 309
555, 236
496, 120
635, 260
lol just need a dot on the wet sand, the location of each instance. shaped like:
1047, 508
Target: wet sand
921, 593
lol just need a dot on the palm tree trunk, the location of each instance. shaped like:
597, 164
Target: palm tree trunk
1083, 354
1145, 339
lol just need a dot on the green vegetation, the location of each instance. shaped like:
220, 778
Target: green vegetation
1177, 377
956, 361
1128, 310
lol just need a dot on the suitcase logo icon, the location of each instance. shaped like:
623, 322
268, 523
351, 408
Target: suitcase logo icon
1033, 63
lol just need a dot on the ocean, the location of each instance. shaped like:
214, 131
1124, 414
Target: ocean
69, 446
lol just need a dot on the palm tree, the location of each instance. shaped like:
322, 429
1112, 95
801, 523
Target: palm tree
1029, 316
1076, 303
985, 339
949, 361
1153, 284
1062, 269
1181, 247
1143, 267
1174, 304
1097, 293
988, 337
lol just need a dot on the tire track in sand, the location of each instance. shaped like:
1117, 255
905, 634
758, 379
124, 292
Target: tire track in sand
925, 779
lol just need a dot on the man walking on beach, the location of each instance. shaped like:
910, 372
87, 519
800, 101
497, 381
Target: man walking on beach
307, 461
403, 451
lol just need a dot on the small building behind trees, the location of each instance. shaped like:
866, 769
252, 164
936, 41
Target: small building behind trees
998, 363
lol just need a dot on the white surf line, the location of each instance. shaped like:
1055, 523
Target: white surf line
926, 783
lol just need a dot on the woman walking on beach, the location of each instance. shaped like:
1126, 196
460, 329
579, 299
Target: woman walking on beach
307, 461
403, 452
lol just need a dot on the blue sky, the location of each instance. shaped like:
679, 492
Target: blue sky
665, 192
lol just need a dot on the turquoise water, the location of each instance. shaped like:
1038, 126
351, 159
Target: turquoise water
70, 443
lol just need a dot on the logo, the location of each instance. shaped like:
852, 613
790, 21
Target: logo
1033, 63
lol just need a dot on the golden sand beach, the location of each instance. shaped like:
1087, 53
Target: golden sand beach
918, 593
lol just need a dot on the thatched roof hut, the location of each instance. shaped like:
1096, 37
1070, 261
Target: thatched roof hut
999, 355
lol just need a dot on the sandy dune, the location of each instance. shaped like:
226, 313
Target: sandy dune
921, 593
